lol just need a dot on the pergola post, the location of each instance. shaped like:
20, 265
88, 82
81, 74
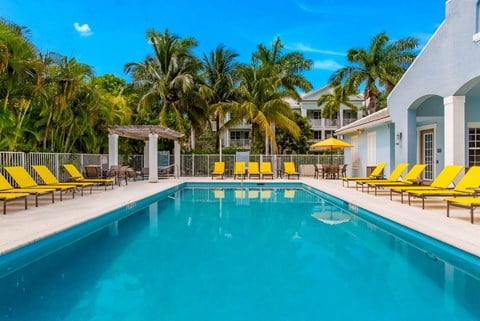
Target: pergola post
112, 149
145, 154
176, 158
153, 158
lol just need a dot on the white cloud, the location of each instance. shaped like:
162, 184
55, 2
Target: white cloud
327, 64
84, 30
307, 48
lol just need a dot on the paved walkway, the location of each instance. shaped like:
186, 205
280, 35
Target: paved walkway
20, 227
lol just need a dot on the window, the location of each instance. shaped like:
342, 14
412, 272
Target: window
317, 115
317, 134
473, 146
328, 133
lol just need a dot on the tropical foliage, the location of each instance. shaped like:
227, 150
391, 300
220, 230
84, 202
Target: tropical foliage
377, 68
51, 102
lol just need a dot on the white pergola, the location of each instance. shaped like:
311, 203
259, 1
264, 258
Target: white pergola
149, 134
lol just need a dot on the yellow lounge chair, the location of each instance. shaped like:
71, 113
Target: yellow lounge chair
78, 177
466, 202
24, 180
465, 187
6, 197
375, 174
442, 181
410, 178
289, 169
49, 179
394, 176
266, 169
253, 170
239, 170
218, 169
5, 187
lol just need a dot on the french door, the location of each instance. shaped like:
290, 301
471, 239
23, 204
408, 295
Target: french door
427, 154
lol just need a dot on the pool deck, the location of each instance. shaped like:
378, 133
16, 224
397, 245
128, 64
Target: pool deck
20, 227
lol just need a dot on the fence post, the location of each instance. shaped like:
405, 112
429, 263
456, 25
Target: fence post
193, 165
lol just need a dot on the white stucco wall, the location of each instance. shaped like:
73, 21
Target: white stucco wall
450, 59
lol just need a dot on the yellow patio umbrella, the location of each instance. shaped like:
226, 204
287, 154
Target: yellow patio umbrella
332, 143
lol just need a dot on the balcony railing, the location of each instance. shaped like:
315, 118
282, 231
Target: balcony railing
331, 122
240, 142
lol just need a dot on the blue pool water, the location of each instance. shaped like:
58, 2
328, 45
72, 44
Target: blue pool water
242, 254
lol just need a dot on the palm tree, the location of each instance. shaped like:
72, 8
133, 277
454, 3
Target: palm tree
379, 67
262, 102
169, 79
332, 102
19, 73
271, 78
219, 76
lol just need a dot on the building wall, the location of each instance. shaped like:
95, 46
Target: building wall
383, 149
444, 68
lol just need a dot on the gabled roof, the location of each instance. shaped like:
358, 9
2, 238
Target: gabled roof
380, 117
142, 131
315, 94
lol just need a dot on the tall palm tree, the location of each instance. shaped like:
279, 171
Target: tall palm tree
262, 102
219, 76
169, 79
332, 102
272, 77
378, 67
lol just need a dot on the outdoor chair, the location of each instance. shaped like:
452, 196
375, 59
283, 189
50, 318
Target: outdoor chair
239, 170
394, 176
375, 174
253, 170
218, 169
470, 203
23, 180
465, 187
6, 187
443, 180
266, 169
289, 170
49, 179
7, 197
410, 178
93, 171
78, 177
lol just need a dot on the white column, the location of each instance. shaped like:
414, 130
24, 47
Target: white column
112, 149
152, 158
454, 142
146, 159
176, 158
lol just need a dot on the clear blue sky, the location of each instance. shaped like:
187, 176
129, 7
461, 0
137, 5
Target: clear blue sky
107, 34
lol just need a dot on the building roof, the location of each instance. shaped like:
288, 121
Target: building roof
143, 131
317, 93
379, 117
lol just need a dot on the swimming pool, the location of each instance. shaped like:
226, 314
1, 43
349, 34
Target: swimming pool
240, 253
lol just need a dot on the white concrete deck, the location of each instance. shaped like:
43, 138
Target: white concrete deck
20, 227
